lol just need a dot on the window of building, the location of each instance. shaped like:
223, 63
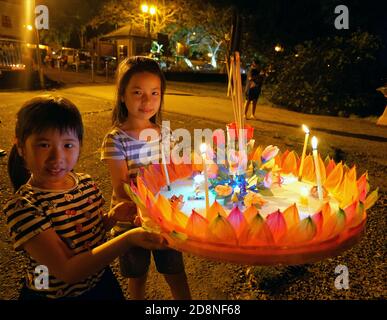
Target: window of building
6, 21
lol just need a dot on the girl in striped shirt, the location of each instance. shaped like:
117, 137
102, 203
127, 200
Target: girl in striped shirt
55, 215
140, 92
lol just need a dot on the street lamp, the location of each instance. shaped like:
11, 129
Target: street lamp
149, 12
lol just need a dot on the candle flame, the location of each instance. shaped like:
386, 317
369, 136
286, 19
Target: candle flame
305, 128
203, 148
314, 143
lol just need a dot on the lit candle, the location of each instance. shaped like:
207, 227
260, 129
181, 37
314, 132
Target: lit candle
165, 167
306, 130
317, 168
203, 149
304, 196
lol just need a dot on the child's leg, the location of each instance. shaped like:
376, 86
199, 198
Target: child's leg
137, 287
170, 264
179, 286
134, 265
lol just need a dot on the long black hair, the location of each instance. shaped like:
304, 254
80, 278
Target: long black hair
125, 72
36, 116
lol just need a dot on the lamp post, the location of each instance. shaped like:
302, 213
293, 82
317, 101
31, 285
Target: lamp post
149, 12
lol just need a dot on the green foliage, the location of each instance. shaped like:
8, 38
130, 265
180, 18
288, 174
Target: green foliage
332, 76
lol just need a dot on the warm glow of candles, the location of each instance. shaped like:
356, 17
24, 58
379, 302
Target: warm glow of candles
203, 149
306, 130
317, 168
304, 196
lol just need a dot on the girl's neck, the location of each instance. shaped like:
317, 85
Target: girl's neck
134, 126
66, 183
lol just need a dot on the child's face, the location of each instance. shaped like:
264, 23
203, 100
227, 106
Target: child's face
50, 156
143, 96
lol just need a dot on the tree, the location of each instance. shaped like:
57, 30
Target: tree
122, 12
72, 14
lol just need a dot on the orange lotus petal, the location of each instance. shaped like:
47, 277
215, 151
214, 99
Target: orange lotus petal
350, 212
183, 170
156, 173
256, 233
289, 164
164, 206
329, 166
284, 155
277, 225
221, 230
308, 172
197, 226
214, 210
334, 179
250, 213
237, 220
179, 220
302, 232
150, 182
291, 216
142, 189
371, 199
362, 185
333, 225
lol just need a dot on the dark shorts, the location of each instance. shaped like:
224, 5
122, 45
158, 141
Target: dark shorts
107, 288
135, 262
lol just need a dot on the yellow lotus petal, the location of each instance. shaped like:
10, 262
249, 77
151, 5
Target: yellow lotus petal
302, 232
220, 230
371, 199
322, 169
348, 191
334, 179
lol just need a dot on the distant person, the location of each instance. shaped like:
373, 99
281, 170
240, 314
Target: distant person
140, 93
253, 88
55, 216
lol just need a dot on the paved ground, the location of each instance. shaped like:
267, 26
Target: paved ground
196, 106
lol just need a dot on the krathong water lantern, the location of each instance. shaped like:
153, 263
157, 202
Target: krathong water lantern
258, 211
270, 222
